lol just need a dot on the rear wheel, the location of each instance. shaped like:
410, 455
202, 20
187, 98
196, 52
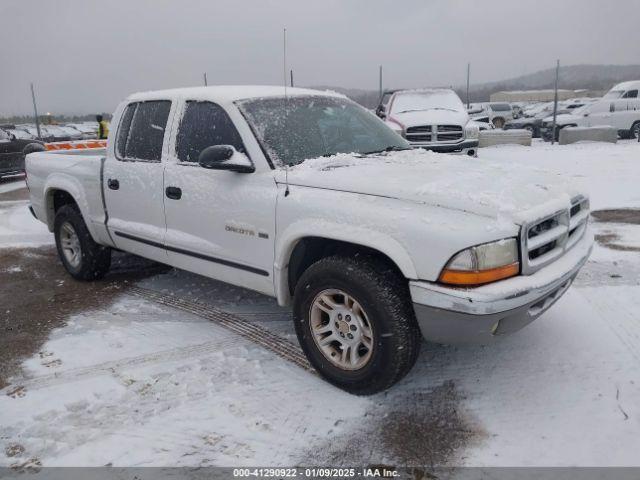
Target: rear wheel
498, 122
634, 132
83, 258
355, 322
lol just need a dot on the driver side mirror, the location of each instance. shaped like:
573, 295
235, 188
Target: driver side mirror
225, 157
380, 112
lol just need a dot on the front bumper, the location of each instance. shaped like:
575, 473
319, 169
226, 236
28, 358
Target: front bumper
480, 315
466, 147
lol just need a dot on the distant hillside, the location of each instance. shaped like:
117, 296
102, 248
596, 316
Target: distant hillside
574, 77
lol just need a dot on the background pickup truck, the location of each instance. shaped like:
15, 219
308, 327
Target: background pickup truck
307, 197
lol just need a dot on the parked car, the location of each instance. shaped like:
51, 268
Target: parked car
618, 108
318, 203
88, 131
434, 119
12, 152
20, 134
497, 113
533, 123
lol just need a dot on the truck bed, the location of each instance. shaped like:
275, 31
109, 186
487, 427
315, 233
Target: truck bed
78, 172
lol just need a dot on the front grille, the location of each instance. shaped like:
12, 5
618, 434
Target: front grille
548, 238
435, 134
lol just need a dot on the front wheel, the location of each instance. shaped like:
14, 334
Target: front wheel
355, 322
81, 256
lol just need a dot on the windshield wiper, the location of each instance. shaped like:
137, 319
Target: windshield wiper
391, 148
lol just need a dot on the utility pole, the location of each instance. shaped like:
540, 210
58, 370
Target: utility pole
555, 105
291, 75
205, 79
35, 111
380, 82
468, 76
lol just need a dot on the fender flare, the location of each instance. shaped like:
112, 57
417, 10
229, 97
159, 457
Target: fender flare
357, 235
70, 185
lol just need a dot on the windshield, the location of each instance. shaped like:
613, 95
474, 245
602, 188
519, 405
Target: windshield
299, 128
432, 100
613, 94
4, 135
500, 107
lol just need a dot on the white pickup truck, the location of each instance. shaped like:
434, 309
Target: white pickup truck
309, 198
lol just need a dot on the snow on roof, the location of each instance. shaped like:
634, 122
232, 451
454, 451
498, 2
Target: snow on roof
423, 90
627, 85
229, 93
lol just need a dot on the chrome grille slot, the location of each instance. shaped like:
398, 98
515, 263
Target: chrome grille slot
548, 238
449, 133
421, 133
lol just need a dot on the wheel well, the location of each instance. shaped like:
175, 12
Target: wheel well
311, 249
60, 198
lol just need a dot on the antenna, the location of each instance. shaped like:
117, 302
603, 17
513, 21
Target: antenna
284, 78
284, 62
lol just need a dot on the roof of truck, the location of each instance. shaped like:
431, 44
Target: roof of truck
627, 85
229, 93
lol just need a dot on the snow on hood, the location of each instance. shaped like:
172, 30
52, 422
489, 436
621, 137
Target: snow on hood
431, 117
492, 189
564, 118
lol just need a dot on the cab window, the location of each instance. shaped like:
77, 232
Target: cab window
631, 94
205, 124
141, 131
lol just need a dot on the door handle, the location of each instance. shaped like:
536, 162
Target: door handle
174, 193
113, 183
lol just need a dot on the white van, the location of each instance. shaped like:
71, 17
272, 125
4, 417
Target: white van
619, 108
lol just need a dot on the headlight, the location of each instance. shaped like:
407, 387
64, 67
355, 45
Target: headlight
471, 131
483, 264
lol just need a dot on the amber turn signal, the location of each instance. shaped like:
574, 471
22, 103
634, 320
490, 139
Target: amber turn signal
478, 277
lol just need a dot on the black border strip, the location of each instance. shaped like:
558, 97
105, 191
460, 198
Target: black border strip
226, 263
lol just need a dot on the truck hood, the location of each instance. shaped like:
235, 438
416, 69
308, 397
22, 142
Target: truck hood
431, 117
497, 190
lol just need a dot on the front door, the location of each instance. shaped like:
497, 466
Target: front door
133, 180
219, 223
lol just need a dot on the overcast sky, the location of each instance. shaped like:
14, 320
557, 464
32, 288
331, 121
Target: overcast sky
84, 56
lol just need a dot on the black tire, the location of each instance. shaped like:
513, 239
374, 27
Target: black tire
634, 131
498, 122
384, 295
94, 260
33, 147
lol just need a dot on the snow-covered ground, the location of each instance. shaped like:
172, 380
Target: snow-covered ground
19, 229
136, 383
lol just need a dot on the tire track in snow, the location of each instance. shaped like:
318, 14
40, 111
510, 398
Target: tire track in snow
256, 334
110, 367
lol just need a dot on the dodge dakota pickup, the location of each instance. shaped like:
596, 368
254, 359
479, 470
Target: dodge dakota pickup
307, 197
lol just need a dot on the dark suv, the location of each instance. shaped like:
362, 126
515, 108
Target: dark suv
12, 152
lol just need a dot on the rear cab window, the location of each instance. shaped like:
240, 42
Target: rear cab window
141, 131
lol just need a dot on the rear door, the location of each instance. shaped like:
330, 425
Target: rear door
133, 180
222, 223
